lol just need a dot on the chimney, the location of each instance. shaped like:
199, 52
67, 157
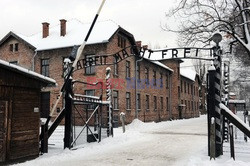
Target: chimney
145, 47
45, 29
63, 27
138, 44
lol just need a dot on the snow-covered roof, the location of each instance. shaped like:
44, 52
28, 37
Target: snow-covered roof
162, 65
232, 94
159, 64
237, 101
75, 35
30, 73
188, 73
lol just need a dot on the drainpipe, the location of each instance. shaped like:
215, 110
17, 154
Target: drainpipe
33, 61
136, 67
170, 97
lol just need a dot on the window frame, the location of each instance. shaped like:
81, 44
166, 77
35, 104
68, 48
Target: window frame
116, 99
146, 75
147, 102
154, 77
138, 101
128, 101
128, 69
90, 107
89, 70
45, 67
155, 103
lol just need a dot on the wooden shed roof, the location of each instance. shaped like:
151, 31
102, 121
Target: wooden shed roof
26, 72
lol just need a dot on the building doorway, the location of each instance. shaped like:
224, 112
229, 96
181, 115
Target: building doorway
45, 105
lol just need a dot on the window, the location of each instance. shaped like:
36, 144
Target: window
179, 92
14, 47
155, 103
11, 47
147, 102
161, 78
192, 105
161, 103
90, 93
185, 87
147, 75
138, 101
14, 62
188, 87
138, 75
121, 42
154, 77
127, 69
90, 69
181, 86
192, 89
128, 101
167, 102
178, 72
115, 100
167, 82
188, 105
45, 67
115, 66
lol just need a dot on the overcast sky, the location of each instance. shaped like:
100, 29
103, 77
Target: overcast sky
142, 18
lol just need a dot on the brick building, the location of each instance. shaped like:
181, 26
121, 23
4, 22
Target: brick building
189, 94
155, 97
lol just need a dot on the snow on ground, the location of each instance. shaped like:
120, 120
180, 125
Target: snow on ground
177, 143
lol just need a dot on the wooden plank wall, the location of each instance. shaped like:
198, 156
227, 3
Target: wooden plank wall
3, 131
24, 123
22, 94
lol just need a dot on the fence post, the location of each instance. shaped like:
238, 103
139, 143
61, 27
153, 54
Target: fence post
68, 137
122, 118
245, 121
212, 139
44, 139
231, 141
211, 102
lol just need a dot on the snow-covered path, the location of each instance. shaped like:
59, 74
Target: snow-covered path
178, 143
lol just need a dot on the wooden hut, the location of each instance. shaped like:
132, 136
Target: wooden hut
20, 91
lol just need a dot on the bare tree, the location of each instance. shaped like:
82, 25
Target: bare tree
199, 19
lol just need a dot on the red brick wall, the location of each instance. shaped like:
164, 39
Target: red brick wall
190, 98
23, 56
175, 83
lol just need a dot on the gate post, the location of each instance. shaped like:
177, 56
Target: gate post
68, 116
210, 105
109, 99
217, 97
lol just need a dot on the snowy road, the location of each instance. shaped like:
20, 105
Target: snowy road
177, 143
165, 143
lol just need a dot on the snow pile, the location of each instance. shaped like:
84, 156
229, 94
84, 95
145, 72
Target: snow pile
138, 125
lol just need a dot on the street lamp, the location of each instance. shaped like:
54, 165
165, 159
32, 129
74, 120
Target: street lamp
217, 38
